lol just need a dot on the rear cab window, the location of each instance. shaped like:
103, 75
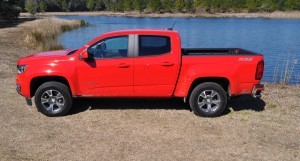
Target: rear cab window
154, 45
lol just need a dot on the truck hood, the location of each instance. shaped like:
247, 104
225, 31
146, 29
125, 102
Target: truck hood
52, 53
46, 56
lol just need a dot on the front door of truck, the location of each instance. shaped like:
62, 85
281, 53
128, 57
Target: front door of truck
110, 73
155, 66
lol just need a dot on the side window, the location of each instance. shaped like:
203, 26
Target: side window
154, 45
113, 47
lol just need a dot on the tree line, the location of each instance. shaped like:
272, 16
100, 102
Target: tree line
191, 6
147, 6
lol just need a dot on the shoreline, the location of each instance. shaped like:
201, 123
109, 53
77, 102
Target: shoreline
276, 14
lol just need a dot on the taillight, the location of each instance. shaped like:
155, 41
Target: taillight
259, 70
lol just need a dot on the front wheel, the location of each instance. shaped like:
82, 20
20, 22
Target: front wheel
53, 99
208, 99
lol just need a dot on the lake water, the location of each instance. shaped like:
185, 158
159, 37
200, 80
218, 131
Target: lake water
277, 39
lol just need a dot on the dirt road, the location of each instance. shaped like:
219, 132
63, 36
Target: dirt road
135, 129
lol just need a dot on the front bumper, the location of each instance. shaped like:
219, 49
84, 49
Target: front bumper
23, 85
23, 88
28, 100
257, 89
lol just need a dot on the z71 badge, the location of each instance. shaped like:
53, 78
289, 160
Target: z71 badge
245, 59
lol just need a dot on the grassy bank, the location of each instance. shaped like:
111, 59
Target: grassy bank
276, 14
42, 34
139, 129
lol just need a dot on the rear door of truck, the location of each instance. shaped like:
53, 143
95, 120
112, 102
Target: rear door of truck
156, 66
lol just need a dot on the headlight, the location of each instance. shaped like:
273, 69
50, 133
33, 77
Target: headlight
21, 68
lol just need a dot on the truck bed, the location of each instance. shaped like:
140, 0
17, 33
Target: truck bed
216, 51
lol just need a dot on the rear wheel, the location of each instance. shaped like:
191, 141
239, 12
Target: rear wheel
208, 99
53, 99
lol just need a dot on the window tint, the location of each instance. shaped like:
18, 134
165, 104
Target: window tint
154, 45
110, 48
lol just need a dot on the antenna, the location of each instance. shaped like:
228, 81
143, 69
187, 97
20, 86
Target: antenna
172, 26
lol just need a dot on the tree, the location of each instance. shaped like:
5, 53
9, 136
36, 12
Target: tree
90, 4
179, 5
31, 6
251, 6
168, 5
237, 5
127, 5
120, 5
189, 5
280, 5
139, 5
99, 5
154, 5
268, 6
203, 4
43, 6
73, 5
9, 9
111, 5
292, 5
64, 6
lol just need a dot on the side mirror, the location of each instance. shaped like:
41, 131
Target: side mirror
84, 55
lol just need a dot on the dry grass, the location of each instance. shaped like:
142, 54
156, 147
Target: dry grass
135, 129
42, 34
276, 14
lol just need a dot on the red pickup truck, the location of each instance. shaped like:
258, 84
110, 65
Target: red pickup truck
139, 63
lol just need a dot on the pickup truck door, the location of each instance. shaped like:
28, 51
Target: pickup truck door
156, 67
111, 71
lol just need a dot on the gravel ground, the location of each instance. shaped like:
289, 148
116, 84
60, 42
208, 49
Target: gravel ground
139, 129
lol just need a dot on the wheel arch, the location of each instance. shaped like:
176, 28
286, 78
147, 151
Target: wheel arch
36, 82
222, 81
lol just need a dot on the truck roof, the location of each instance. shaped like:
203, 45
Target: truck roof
143, 31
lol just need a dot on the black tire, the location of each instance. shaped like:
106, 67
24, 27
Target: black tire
210, 106
61, 104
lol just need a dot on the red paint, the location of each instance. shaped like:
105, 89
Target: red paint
166, 75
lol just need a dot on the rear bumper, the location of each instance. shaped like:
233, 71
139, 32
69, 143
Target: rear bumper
257, 89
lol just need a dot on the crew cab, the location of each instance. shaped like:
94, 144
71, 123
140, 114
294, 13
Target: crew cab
139, 63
